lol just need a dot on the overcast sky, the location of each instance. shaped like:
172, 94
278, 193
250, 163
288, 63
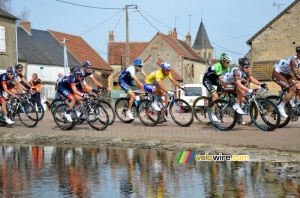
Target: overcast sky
229, 24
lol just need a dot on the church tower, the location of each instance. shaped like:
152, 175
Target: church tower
202, 44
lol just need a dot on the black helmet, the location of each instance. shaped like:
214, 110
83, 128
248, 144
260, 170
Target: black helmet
298, 49
78, 71
18, 66
244, 62
11, 70
87, 64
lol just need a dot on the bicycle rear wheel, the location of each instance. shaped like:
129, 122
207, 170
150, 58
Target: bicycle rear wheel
224, 113
181, 112
110, 111
27, 114
60, 119
96, 117
200, 108
54, 103
39, 107
270, 116
147, 115
121, 107
276, 100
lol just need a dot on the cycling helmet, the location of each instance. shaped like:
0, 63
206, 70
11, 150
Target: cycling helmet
244, 62
10, 70
225, 57
138, 62
298, 49
87, 64
18, 66
79, 72
165, 65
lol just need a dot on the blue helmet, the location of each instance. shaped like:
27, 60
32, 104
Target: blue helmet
165, 65
87, 64
79, 72
138, 62
11, 70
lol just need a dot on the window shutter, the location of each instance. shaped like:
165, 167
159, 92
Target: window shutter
2, 39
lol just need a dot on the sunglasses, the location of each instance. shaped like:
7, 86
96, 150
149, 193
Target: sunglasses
10, 74
140, 66
88, 67
227, 62
20, 70
166, 70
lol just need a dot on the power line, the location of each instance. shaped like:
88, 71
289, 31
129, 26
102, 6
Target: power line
89, 6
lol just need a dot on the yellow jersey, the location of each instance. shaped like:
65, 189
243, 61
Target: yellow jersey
156, 76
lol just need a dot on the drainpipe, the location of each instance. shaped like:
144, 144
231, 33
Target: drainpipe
17, 51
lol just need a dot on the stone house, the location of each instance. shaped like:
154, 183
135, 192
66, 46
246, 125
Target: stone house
8, 39
276, 40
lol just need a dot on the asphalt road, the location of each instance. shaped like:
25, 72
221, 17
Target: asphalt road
285, 139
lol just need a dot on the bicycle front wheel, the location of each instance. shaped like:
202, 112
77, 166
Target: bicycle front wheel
181, 112
27, 114
121, 107
110, 111
222, 115
60, 119
269, 113
200, 108
276, 100
96, 117
39, 107
147, 115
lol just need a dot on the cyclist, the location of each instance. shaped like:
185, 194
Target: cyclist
87, 70
236, 81
282, 76
213, 76
6, 79
127, 78
153, 83
70, 86
21, 77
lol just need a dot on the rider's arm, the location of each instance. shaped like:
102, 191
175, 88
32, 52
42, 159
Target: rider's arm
86, 87
161, 86
6, 90
139, 84
238, 81
254, 80
295, 68
96, 82
25, 81
20, 86
174, 81
75, 91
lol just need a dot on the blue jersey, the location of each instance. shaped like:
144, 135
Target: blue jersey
4, 79
69, 81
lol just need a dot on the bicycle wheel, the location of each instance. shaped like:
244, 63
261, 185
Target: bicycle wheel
224, 112
60, 119
54, 103
96, 116
39, 107
110, 111
147, 115
246, 120
121, 107
200, 108
270, 116
27, 114
181, 112
276, 100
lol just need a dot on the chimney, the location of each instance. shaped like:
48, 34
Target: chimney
175, 34
188, 39
111, 36
170, 33
26, 26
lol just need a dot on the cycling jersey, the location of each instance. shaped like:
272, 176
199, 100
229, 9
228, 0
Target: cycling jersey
126, 78
235, 74
156, 76
284, 65
66, 83
4, 79
215, 71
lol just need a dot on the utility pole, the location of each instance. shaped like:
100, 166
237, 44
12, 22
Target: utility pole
127, 37
66, 65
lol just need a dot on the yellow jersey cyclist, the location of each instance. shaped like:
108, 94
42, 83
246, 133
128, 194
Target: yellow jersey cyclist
283, 77
153, 83
127, 78
213, 76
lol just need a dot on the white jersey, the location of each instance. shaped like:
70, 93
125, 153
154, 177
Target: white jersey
229, 77
284, 65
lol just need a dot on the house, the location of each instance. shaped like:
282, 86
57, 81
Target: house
187, 66
82, 51
276, 40
8, 39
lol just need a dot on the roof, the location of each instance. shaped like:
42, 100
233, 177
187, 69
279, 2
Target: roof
117, 52
202, 40
40, 47
273, 21
5, 14
181, 47
82, 50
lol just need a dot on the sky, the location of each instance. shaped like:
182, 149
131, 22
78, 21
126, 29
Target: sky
229, 24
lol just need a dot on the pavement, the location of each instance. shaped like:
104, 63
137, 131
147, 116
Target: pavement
280, 144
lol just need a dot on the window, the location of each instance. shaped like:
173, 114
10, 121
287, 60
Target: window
193, 91
2, 39
42, 71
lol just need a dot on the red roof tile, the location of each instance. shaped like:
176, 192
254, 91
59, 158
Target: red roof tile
82, 50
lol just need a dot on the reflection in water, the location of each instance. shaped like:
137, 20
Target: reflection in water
35, 171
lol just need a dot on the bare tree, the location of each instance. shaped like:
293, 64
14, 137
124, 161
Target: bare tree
24, 15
